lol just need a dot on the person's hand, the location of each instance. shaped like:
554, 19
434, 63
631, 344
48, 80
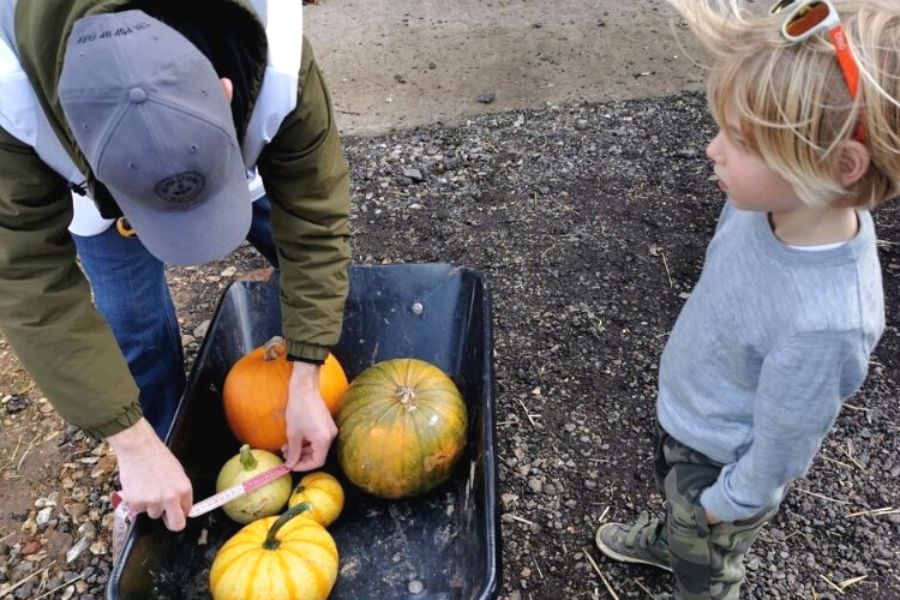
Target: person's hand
310, 428
711, 519
153, 481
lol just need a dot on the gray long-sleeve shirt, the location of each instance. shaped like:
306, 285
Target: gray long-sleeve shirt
770, 343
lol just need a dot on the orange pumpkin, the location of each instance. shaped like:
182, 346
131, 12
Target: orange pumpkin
256, 392
276, 557
402, 427
324, 495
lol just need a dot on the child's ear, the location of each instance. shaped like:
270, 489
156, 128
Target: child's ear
854, 162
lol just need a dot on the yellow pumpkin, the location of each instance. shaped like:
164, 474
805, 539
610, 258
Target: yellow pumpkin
276, 558
263, 502
255, 394
323, 493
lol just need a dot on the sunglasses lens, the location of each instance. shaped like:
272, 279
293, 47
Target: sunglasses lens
807, 18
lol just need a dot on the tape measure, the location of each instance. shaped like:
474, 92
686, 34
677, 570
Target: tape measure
124, 515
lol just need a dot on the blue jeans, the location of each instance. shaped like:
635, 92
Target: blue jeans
131, 292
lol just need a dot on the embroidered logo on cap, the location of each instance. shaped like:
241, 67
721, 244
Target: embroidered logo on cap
181, 187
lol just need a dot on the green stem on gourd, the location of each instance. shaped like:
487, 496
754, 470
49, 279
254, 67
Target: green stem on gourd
248, 461
271, 542
272, 348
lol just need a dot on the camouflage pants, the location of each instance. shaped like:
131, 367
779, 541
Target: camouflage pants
707, 560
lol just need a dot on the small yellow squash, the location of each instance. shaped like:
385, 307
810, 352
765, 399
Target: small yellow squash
323, 493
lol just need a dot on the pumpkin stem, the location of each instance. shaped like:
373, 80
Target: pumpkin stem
272, 542
407, 395
248, 461
272, 348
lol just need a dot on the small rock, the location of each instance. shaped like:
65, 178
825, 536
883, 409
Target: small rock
686, 153
487, 97
99, 548
16, 404
201, 329
50, 500
228, 272
187, 339
414, 174
77, 550
32, 547
76, 509
415, 587
536, 485
68, 593
43, 516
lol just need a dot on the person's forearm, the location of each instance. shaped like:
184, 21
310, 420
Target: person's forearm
46, 312
308, 180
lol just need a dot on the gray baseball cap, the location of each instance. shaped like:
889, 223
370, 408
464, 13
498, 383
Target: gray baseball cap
148, 112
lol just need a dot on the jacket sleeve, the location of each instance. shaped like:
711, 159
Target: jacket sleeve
801, 389
46, 312
307, 180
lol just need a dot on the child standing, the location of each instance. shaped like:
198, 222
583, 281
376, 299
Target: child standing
779, 329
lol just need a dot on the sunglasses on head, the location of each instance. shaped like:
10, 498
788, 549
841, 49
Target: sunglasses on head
804, 19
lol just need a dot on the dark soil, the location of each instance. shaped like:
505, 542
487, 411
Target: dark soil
590, 222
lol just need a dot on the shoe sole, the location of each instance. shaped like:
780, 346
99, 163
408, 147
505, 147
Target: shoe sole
621, 557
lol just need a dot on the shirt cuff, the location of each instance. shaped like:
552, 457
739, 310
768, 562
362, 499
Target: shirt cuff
130, 415
720, 501
306, 352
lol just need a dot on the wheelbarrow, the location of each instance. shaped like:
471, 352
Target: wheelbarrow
441, 546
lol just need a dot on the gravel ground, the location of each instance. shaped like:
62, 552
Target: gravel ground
590, 221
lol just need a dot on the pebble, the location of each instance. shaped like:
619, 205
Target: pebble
413, 174
76, 550
201, 329
43, 516
487, 97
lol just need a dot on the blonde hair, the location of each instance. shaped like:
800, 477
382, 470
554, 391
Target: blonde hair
792, 103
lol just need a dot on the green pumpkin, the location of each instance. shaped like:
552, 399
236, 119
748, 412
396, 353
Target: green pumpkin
402, 428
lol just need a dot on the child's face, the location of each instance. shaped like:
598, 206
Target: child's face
749, 183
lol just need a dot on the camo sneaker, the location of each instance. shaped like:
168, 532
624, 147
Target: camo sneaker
638, 543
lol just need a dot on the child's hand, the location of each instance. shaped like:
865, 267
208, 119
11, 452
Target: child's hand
711, 519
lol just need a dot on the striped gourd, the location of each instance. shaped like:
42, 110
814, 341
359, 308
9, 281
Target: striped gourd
402, 428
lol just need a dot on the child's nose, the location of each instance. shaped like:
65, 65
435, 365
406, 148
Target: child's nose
714, 148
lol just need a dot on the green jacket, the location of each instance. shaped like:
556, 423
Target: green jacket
46, 312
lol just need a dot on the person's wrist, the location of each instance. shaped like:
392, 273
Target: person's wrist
132, 439
711, 519
305, 375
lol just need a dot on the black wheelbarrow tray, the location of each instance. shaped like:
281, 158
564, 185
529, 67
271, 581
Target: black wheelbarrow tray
442, 546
